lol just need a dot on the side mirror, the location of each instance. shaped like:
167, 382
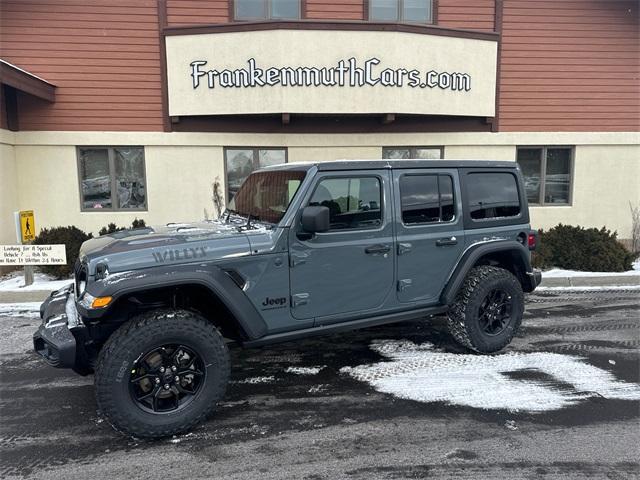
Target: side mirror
315, 219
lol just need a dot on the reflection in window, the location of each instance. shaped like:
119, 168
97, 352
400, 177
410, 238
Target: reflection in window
426, 198
413, 11
547, 174
407, 153
112, 178
353, 202
492, 195
240, 162
266, 9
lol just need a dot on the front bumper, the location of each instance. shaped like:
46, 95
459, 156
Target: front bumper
56, 339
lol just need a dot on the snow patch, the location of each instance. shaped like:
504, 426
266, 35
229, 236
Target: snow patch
14, 282
305, 370
255, 380
420, 373
559, 273
22, 309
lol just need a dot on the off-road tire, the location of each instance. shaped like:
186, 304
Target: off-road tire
463, 319
144, 332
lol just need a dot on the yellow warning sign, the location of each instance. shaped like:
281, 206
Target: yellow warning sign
27, 226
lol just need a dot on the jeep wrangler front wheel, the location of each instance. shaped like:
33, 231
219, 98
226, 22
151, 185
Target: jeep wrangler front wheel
488, 309
161, 373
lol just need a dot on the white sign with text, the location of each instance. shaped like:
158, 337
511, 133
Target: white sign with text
32, 255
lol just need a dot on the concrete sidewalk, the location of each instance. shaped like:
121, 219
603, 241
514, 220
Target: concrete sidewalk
16, 296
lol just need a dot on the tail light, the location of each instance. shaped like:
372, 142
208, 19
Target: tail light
532, 240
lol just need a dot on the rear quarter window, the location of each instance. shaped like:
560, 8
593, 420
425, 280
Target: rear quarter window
492, 195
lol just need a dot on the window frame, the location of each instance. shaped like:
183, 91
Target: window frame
543, 172
453, 193
413, 149
400, 19
349, 230
111, 155
256, 158
268, 9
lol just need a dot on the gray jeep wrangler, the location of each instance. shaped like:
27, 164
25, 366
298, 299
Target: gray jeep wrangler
301, 250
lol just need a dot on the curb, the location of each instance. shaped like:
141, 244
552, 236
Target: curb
603, 281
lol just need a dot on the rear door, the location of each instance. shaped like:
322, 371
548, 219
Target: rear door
429, 229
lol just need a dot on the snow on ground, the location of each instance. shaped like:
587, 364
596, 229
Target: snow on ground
559, 273
24, 309
14, 282
305, 370
532, 382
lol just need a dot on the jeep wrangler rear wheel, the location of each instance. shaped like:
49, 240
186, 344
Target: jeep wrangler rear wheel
161, 373
488, 309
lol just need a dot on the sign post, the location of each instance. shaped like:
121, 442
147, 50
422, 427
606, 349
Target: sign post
26, 228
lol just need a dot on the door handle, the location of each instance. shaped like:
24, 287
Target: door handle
375, 249
443, 242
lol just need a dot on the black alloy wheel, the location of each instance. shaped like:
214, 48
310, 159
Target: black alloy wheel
494, 314
166, 378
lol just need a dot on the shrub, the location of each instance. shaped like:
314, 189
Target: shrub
72, 238
577, 248
112, 227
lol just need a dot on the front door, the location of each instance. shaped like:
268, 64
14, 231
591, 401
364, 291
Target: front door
348, 269
430, 232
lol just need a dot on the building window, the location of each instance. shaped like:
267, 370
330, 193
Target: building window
410, 11
492, 195
354, 203
112, 178
426, 199
267, 9
405, 153
240, 162
547, 174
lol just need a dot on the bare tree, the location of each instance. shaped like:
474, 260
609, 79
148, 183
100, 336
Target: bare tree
218, 199
635, 228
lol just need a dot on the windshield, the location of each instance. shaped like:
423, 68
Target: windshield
266, 195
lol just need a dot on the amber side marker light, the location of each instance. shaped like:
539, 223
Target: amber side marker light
101, 302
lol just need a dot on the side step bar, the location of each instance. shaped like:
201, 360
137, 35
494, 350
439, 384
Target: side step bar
346, 326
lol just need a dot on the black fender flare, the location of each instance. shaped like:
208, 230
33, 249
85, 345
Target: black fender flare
211, 277
477, 251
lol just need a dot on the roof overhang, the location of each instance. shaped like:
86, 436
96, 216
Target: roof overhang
26, 82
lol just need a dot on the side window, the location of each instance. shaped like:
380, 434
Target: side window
492, 195
353, 202
426, 199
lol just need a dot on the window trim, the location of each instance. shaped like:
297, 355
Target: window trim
233, 17
432, 21
349, 230
256, 155
453, 192
543, 173
413, 148
112, 178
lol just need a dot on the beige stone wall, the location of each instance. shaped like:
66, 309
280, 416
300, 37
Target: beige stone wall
181, 167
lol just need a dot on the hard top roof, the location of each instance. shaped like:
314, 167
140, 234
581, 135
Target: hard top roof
391, 164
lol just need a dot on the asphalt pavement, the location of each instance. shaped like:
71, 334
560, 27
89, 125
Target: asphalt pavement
400, 401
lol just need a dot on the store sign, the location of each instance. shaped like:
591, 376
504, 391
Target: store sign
16, 255
324, 72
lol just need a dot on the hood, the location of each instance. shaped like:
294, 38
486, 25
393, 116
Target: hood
173, 243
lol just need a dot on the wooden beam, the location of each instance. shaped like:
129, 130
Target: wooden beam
19, 79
